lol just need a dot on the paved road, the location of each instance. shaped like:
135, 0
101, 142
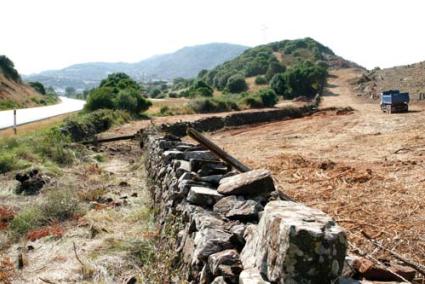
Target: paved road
27, 115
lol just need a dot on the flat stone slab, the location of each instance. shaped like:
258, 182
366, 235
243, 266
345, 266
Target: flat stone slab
295, 244
237, 208
203, 196
251, 276
252, 183
210, 241
225, 263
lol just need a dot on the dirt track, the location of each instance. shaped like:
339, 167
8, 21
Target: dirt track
365, 168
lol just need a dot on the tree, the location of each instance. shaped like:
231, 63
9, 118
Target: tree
260, 80
153, 93
70, 91
119, 81
100, 98
8, 69
274, 68
278, 84
305, 79
236, 84
268, 97
38, 87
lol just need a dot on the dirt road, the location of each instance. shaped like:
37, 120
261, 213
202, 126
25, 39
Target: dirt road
365, 168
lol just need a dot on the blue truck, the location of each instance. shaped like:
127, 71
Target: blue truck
393, 101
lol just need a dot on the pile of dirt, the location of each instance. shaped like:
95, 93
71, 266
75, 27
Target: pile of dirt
407, 78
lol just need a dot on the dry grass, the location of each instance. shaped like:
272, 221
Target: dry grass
254, 88
172, 103
35, 126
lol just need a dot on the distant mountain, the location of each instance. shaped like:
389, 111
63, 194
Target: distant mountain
185, 62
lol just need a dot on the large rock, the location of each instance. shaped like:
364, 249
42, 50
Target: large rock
31, 182
295, 244
251, 276
203, 196
237, 208
209, 241
199, 155
225, 263
252, 183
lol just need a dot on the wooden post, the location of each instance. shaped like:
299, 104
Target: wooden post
204, 141
14, 122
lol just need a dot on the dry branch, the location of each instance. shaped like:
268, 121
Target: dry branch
408, 262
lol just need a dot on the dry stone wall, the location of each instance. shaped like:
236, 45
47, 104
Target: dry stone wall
235, 228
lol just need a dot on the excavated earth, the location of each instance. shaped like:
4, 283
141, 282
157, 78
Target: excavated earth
363, 167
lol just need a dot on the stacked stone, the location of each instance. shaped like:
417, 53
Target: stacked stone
236, 230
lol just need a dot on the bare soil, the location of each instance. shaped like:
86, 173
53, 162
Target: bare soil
363, 167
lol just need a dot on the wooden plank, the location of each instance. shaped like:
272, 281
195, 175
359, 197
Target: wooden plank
97, 141
204, 141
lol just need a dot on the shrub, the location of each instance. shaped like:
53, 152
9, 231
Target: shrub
208, 105
86, 125
236, 84
260, 80
100, 98
268, 97
126, 101
27, 219
278, 84
274, 68
264, 98
60, 205
38, 87
53, 146
153, 93
7, 162
119, 81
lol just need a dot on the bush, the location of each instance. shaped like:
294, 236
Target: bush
236, 84
209, 105
86, 125
38, 87
53, 146
131, 101
27, 219
268, 97
274, 68
264, 98
260, 80
100, 98
119, 81
7, 163
278, 84
153, 93
60, 205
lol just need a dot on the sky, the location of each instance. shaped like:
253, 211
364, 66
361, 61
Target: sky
52, 34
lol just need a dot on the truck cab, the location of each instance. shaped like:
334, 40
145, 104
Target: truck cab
393, 101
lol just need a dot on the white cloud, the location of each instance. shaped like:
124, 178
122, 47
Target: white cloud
46, 34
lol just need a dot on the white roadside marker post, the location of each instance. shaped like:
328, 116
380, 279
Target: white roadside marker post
14, 121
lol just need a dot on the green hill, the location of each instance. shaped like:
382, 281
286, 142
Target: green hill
270, 59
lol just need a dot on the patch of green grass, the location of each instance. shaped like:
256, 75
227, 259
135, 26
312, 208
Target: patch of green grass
9, 104
27, 219
59, 205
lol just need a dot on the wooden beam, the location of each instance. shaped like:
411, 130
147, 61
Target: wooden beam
97, 141
204, 141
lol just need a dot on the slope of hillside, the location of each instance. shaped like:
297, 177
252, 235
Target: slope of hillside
13, 92
186, 62
407, 78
